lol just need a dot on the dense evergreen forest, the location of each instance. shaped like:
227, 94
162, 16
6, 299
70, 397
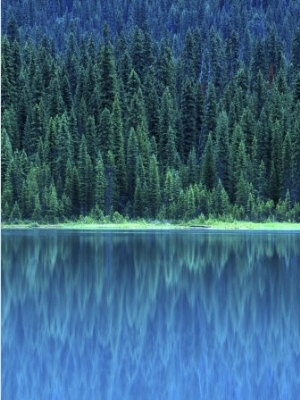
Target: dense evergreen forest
168, 110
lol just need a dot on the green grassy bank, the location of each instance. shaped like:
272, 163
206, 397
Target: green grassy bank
142, 225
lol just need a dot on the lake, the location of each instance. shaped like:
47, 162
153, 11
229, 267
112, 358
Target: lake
161, 315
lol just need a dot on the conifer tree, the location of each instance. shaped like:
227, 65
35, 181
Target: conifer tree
111, 194
75, 193
295, 156
192, 167
169, 194
37, 210
85, 178
137, 52
166, 68
139, 207
216, 60
262, 184
296, 94
64, 143
287, 170
6, 151
211, 113
154, 187
172, 157
16, 215
131, 161
200, 116
223, 150
105, 142
189, 55
242, 193
52, 148
276, 163
167, 121
7, 191
100, 183
52, 204
9, 123
136, 111
118, 149
190, 208
107, 78
31, 191
296, 50
188, 118
68, 189
208, 166
152, 103
55, 100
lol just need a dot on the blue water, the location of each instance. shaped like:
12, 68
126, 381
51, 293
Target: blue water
150, 315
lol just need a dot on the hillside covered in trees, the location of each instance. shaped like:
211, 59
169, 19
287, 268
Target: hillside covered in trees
150, 109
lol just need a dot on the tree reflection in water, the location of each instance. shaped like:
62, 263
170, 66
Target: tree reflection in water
143, 315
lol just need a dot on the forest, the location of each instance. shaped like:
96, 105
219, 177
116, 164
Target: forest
163, 110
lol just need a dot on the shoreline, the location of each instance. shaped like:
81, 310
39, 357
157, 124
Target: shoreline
192, 226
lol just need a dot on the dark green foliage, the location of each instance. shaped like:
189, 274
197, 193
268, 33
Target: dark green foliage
295, 155
52, 204
188, 119
15, 215
139, 208
166, 122
131, 161
184, 109
208, 167
108, 77
223, 150
296, 50
105, 140
211, 112
111, 193
85, 175
119, 150
100, 183
154, 188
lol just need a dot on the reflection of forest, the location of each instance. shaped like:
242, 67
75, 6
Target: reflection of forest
130, 315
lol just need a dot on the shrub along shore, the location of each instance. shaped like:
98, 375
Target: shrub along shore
210, 224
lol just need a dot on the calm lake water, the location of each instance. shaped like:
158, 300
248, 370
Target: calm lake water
160, 315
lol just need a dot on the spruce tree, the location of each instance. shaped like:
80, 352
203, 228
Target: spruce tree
208, 165
68, 189
15, 215
6, 151
188, 118
52, 204
295, 156
223, 150
108, 77
64, 143
105, 141
154, 188
152, 103
211, 113
118, 149
111, 194
85, 178
138, 207
131, 161
31, 191
287, 170
166, 68
100, 183
167, 121
169, 194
